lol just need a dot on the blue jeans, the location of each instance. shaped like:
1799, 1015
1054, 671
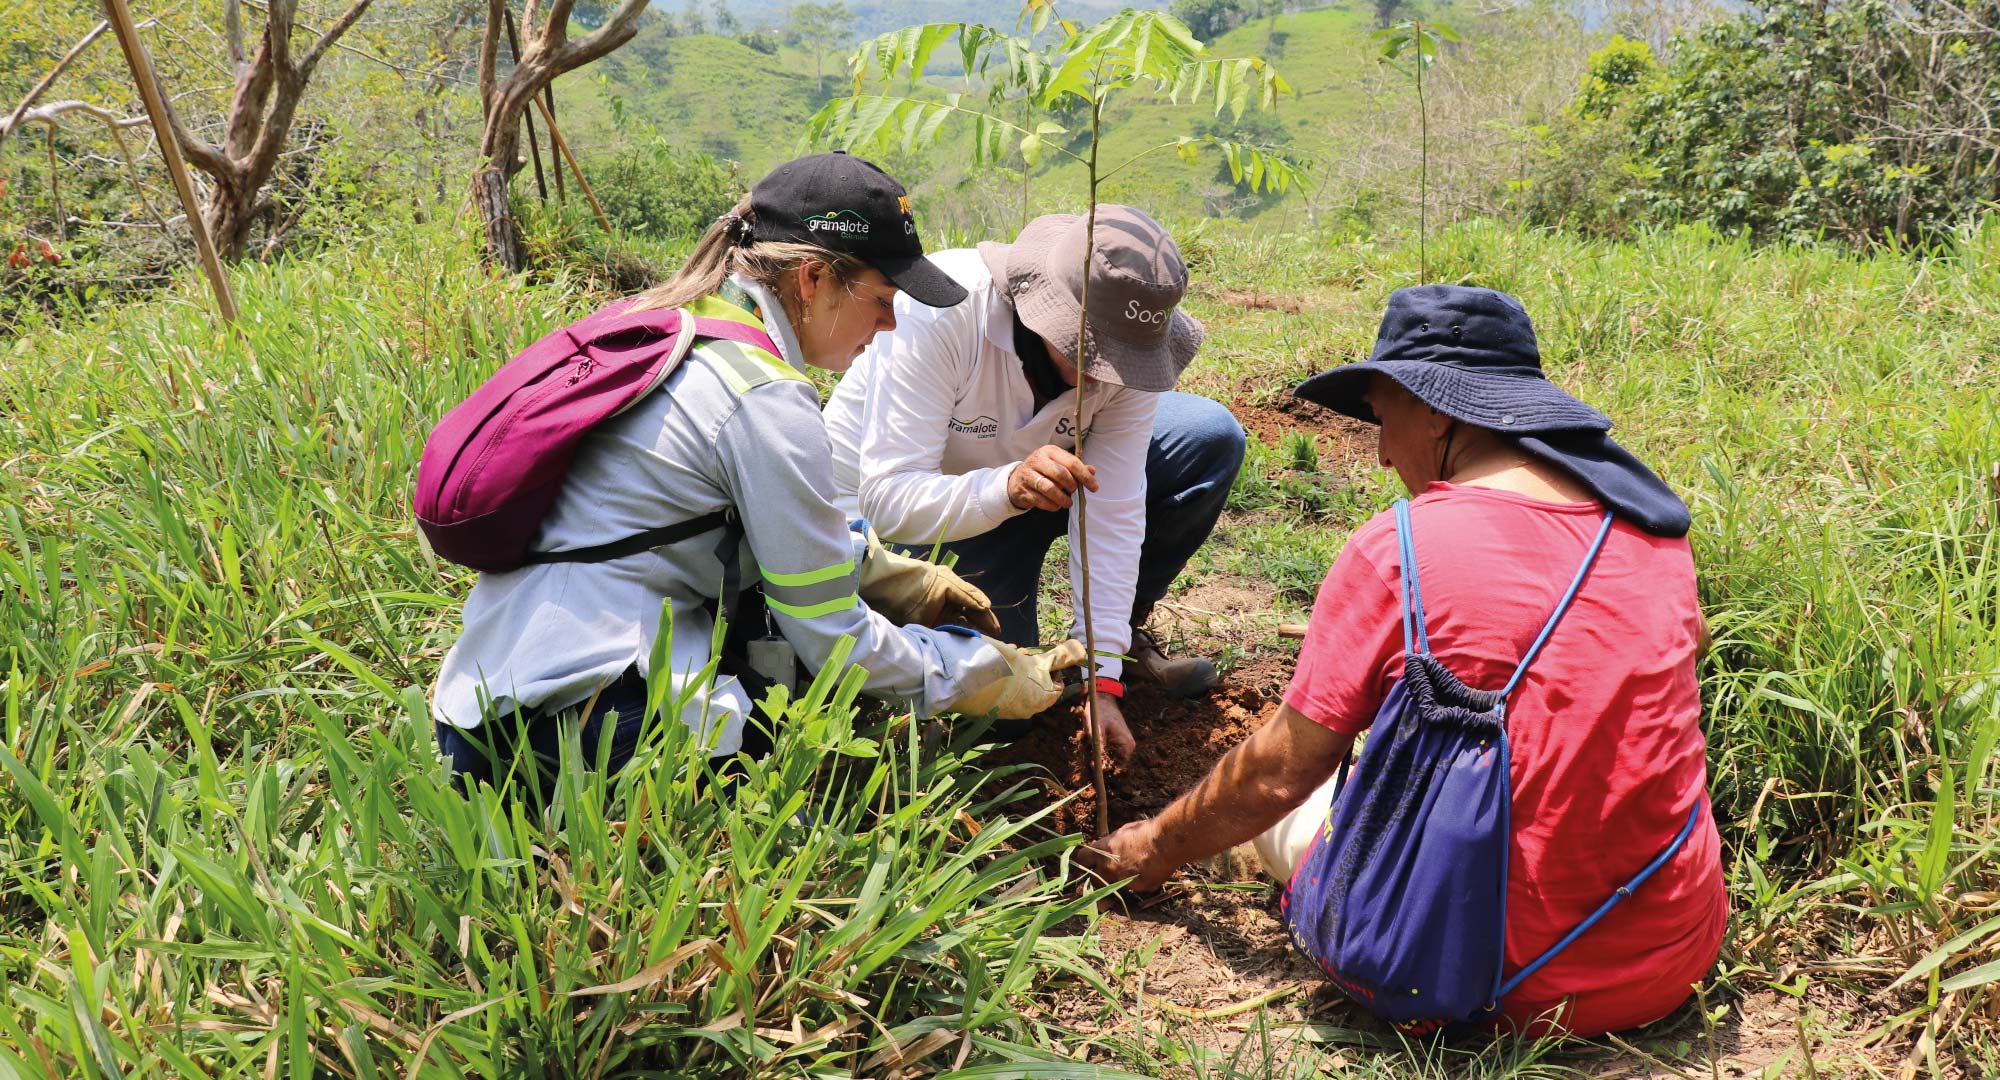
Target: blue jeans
493, 750
515, 752
1196, 451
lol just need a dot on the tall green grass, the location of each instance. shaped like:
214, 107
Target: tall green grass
229, 847
1834, 421
226, 847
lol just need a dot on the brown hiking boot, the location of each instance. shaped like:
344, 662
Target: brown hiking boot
1187, 677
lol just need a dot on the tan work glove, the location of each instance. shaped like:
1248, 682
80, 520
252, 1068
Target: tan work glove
907, 590
1030, 683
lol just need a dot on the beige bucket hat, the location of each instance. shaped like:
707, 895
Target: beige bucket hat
1138, 337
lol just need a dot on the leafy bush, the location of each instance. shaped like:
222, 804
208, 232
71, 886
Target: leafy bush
1207, 19
1586, 168
657, 191
1234, 193
1862, 122
762, 39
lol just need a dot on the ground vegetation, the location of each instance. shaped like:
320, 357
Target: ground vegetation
227, 847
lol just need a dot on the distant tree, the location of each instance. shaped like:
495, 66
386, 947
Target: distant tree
692, 20
546, 52
270, 82
821, 28
763, 39
1207, 19
591, 14
726, 23
1386, 11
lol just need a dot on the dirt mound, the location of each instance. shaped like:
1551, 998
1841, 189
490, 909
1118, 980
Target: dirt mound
1263, 301
1342, 438
1178, 742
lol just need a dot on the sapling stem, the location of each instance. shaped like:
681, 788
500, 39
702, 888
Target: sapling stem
1423, 164
1082, 509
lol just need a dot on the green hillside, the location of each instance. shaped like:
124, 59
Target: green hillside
671, 83
1324, 53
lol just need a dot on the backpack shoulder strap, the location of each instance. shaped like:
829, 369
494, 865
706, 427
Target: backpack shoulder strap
638, 542
1415, 641
1541, 639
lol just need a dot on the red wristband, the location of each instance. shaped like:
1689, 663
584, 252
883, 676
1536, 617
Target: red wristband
1110, 687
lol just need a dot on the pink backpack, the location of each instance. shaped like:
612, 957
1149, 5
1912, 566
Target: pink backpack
493, 466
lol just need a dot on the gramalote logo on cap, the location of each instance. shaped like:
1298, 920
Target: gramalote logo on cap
838, 221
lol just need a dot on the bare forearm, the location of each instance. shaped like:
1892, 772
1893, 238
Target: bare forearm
1254, 786
1233, 805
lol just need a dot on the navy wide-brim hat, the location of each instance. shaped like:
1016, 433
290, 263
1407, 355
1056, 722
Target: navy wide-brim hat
1471, 354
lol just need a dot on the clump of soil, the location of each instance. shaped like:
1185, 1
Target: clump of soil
1262, 301
1342, 439
1178, 742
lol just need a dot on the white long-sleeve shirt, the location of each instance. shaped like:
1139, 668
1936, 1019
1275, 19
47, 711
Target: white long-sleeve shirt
732, 426
931, 421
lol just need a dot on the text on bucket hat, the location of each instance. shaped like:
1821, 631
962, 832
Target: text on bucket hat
1138, 335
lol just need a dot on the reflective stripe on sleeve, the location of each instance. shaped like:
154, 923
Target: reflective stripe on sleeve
812, 593
813, 612
811, 577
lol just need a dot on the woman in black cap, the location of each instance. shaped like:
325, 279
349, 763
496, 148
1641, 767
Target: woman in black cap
814, 257
1511, 479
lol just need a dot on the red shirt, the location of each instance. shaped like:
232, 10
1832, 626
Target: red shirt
1608, 753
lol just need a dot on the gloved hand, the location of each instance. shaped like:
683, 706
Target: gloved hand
1028, 687
907, 590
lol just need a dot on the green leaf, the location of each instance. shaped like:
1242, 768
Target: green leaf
1966, 980
1941, 955
1937, 842
1031, 149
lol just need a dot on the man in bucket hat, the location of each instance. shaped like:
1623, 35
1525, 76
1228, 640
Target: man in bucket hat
956, 429
1510, 479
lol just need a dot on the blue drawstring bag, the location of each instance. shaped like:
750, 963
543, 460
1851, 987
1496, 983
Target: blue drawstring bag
1402, 897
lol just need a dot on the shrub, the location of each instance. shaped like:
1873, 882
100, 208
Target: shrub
1863, 122
659, 192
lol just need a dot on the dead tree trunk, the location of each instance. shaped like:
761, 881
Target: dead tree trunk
545, 54
262, 108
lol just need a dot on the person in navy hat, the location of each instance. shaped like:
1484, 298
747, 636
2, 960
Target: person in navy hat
1511, 479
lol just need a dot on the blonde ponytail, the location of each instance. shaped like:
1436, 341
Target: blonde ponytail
722, 252
705, 270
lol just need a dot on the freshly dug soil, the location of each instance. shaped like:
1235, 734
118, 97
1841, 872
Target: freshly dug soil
1342, 438
1178, 742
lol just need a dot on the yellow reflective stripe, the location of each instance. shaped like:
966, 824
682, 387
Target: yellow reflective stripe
744, 367
816, 610
734, 378
715, 307
810, 596
811, 577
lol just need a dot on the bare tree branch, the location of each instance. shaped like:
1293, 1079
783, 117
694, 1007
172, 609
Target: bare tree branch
232, 21
278, 32
199, 153
55, 110
48, 80
489, 53
616, 31
340, 26
558, 31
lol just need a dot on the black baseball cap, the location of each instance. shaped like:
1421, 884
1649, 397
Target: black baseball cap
845, 204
